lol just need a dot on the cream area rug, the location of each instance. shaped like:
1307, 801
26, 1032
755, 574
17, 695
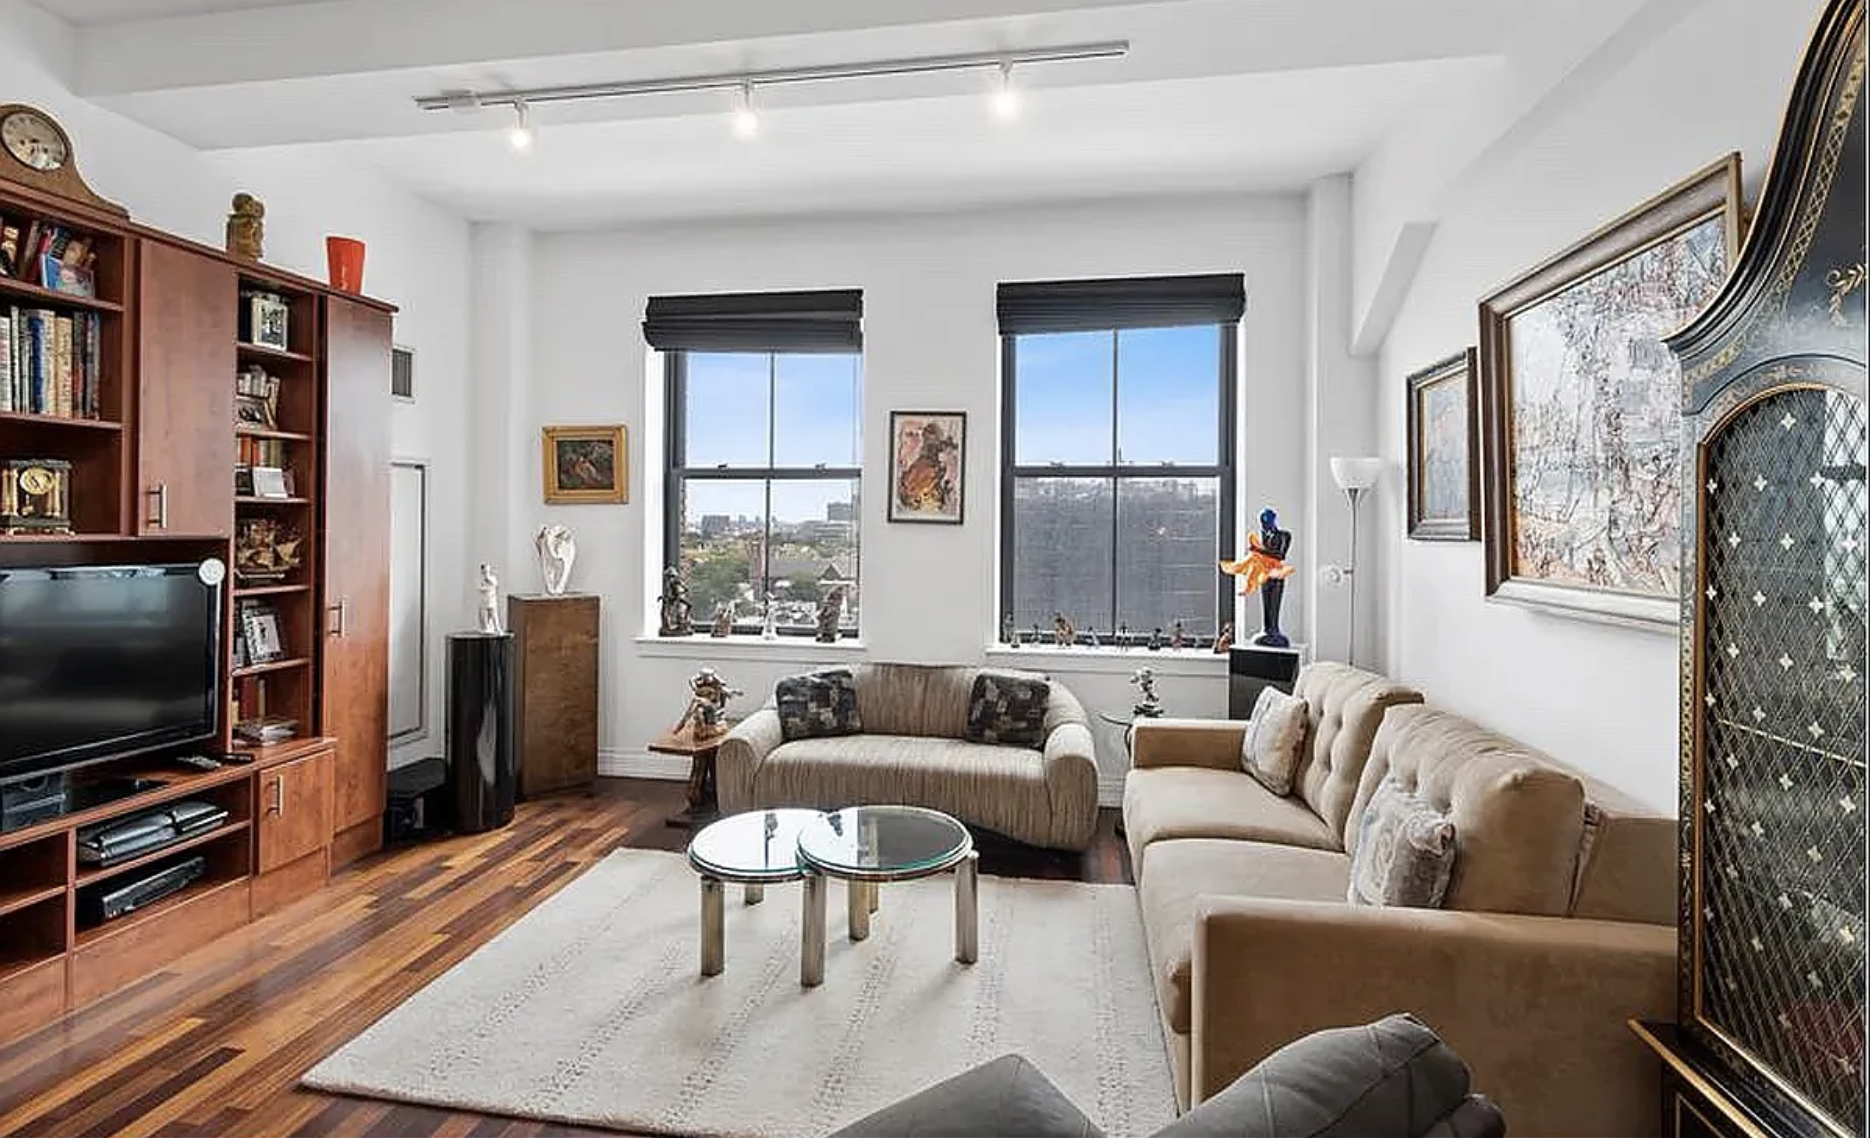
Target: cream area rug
591, 1009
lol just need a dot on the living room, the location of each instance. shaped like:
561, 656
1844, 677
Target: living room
706, 290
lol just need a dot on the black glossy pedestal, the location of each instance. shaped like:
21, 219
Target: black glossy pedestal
482, 776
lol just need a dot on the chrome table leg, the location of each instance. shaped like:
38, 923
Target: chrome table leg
857, 908
967, 909
812, 934
755, 894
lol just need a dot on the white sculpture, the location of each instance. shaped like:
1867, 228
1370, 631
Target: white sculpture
489, 615
768, 631
557, 550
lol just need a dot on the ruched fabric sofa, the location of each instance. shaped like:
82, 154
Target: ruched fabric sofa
1557, 925
912, 751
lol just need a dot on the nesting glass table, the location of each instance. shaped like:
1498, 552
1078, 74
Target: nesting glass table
865, 846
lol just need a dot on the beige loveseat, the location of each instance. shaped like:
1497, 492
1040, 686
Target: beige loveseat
1558, 923
912, 752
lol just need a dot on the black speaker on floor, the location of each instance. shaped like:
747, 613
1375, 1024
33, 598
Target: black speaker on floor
482, 778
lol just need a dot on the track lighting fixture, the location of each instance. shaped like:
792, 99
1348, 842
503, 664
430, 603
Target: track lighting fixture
519, 135
1006, 98
746, 118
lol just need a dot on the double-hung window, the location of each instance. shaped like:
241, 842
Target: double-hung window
763, 396
1118, 477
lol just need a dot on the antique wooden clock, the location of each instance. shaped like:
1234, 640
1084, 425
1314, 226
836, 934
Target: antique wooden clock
36, 152
1770, 1036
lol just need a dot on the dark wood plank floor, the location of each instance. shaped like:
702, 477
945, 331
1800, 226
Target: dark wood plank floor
215, 1044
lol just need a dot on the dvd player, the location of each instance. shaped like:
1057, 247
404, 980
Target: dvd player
107, 843
116, 898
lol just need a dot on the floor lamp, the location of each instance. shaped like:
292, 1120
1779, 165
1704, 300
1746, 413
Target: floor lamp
1354, 476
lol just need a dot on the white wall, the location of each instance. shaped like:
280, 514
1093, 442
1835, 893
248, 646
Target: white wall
1599, 697
930, 342
417, 259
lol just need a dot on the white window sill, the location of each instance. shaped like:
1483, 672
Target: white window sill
780, 648
1109, 661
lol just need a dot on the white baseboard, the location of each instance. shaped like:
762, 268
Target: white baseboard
618, 763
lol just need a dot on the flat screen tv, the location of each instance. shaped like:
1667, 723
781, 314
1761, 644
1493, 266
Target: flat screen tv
102, 661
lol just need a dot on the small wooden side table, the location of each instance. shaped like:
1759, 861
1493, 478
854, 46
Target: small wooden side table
703, 806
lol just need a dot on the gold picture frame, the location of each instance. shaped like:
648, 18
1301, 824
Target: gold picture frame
586, 465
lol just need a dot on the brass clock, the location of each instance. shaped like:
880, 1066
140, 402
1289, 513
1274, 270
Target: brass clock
35, 495
35, 151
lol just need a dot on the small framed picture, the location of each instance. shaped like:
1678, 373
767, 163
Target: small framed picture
261, 625
271, 482
268, 320
586, 464
1444, 434
928, 461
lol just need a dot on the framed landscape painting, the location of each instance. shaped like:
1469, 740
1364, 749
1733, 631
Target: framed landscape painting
1581, 408
1444, 476
928, 451
586, 464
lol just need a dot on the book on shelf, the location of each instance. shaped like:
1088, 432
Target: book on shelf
48, 254
49, 363
268, 729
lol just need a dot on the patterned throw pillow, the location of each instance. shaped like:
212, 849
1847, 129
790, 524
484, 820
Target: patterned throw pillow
823, 703
1275, 739
1007, 709
1405, 851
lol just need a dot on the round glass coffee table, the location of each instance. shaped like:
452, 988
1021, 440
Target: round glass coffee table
868, 845
755, 849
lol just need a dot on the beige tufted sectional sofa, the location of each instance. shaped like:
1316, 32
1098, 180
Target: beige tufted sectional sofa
1558, 924
912, 751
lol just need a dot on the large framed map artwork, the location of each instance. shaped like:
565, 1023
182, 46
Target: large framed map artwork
1580, 405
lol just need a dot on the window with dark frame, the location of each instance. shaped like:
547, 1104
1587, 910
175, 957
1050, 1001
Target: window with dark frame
1118, 456
763, 456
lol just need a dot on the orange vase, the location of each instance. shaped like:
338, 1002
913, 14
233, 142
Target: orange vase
345, 255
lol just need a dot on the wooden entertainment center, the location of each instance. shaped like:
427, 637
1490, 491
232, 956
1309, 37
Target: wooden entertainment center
152, 444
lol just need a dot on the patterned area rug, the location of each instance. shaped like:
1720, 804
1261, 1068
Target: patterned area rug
591, 1009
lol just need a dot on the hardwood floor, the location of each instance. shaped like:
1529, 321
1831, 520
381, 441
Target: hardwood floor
215, 1044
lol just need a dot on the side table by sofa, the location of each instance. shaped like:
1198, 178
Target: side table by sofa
703, 807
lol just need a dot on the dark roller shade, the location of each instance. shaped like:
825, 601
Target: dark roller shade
828, 321
1131, 302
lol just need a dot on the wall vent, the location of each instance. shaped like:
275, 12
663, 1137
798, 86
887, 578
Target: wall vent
403, 373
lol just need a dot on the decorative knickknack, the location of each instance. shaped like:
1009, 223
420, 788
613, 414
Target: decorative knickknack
246, 228
558, 549
344, 257
488, 616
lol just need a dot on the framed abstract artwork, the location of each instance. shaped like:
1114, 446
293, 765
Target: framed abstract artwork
1580, 407
586, 464
1443, 420
928, 452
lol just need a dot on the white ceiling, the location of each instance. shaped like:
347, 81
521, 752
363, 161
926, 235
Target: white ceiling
1215, 94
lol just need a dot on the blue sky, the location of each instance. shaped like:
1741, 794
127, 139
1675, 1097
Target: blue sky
1167, 395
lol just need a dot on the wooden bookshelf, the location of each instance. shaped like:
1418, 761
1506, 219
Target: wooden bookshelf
37, 296
60, 421
268, 352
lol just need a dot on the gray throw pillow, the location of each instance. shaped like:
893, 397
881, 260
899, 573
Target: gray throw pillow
823, 703
1008, 709
1405, 851
1275, 739
1008, 1096
1392, 1077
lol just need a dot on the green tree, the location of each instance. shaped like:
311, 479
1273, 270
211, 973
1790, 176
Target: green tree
714, 581
804, 586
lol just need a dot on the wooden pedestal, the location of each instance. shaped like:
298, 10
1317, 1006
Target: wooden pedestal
556, 690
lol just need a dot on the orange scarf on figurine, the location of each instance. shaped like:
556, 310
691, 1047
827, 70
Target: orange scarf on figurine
1257, 567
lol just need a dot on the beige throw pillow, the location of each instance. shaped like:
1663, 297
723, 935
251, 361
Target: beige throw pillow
1275, 739
1405, 851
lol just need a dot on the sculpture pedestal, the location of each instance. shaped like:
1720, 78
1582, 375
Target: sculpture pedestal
481, 774
1252, 668
555, 690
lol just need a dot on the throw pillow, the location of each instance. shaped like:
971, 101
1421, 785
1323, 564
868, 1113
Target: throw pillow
1275, 739
1405, 851
1007, 709
823, 703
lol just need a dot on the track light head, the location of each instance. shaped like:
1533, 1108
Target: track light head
1006, 97
746, 117
519, 136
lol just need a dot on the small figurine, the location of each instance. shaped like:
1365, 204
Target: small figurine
1144, 681
1264, 568
1090, 638
488, 616
677, 612
829, 611
1155, 640
1008, 632
1178, 638
1123, 634
246, 227
557, 550
1225, 640
1063, 634
723, 620
707, 705
768, 631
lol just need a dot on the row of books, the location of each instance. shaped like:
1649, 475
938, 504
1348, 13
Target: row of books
259, 452
50, 365
48, 254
